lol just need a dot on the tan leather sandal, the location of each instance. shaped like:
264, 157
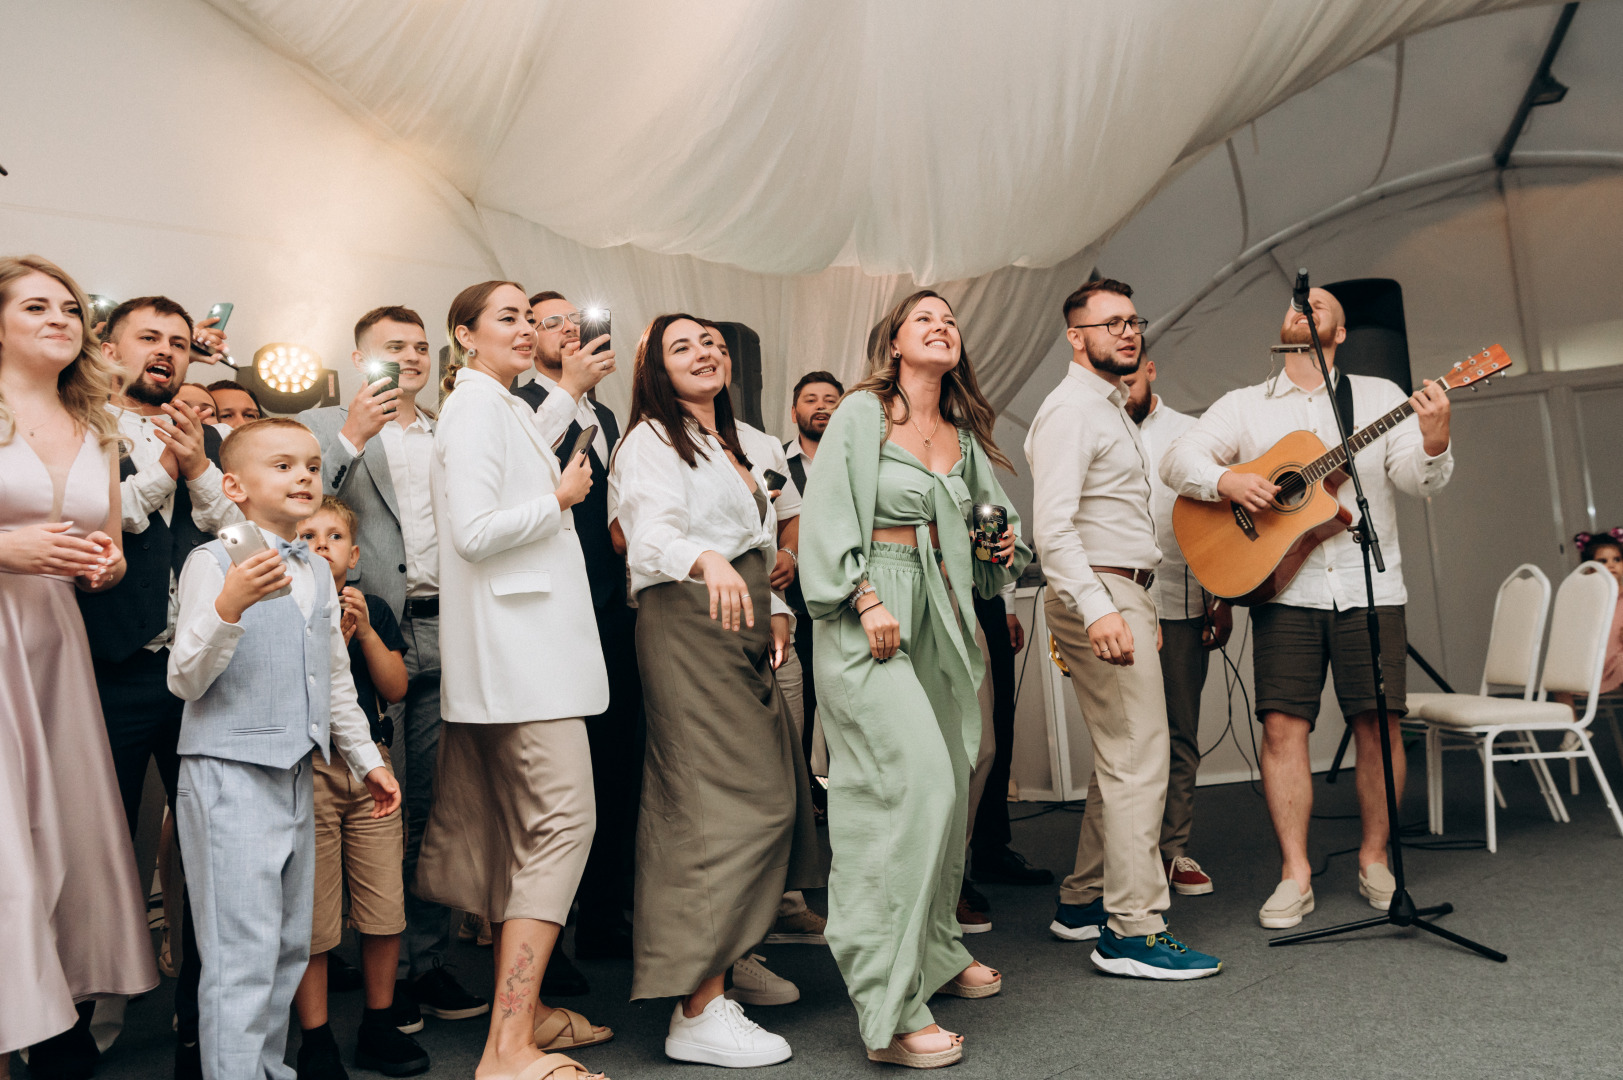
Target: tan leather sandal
965, 990
557, 1067
566, 1029
897, 1054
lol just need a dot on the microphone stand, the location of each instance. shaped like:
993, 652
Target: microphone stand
1401, 911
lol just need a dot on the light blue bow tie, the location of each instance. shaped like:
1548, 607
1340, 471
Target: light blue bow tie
298, 549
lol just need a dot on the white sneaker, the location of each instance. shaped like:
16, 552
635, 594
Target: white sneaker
723, 1035
753, 984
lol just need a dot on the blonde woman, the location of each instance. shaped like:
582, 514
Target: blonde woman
72, 915
513, 815
885, 535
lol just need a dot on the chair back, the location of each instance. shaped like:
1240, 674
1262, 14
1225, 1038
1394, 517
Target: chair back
1584, 606
1519, 613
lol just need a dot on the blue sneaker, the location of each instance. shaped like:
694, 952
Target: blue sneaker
1154, 956
1079, 922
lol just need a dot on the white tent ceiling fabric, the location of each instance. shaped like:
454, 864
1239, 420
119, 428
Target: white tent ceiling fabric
799, 166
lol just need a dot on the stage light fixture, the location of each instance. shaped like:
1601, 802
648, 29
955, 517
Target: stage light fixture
287, 369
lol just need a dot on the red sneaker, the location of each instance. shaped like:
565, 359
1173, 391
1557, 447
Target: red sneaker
1186, 876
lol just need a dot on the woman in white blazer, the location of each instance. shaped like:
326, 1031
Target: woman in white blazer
513, 812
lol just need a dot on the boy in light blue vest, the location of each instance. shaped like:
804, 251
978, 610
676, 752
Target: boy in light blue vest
266, 682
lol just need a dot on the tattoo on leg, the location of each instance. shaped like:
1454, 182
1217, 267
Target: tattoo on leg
518, 993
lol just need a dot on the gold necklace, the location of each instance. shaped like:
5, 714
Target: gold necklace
914, 420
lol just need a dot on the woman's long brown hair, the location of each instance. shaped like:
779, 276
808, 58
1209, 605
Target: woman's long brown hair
653, 397
962, 403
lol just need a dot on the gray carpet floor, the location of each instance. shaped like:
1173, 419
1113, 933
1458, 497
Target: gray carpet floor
1380, 1003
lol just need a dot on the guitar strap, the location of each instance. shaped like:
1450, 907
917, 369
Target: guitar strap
1344, 403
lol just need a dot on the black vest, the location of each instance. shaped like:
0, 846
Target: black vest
136, 610
605, 568
797, 473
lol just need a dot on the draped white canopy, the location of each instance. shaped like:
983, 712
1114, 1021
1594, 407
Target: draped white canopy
798, 165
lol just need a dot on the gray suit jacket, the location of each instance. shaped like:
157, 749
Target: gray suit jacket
366, 484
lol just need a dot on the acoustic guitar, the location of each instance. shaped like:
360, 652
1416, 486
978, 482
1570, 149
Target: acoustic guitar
1249, 557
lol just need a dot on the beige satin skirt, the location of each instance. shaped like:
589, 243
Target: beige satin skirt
512, 821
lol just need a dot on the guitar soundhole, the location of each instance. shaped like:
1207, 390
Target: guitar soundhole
1292, 490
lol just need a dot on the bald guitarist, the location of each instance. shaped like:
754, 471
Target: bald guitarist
1319, 618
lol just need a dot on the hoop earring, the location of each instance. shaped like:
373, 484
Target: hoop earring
472, 353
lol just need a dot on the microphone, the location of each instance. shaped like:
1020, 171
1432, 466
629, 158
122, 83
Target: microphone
1299, 295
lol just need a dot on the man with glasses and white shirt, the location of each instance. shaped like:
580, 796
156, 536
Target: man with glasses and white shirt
1093, 527
565, 373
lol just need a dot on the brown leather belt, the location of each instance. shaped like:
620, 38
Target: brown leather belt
1142, 578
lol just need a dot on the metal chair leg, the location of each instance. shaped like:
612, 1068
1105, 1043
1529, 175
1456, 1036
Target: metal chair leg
1600, 778
1487, 792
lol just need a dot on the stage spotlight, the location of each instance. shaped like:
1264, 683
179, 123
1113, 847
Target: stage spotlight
288, 378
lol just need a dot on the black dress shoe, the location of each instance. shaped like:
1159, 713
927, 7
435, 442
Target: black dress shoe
563, 978
382, 1047
71, 1055
318, 1056
611, 942
439, 995
188, 1061
1002, 866
343, 977
404, 1014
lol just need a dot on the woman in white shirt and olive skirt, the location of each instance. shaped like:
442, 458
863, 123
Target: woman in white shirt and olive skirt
726, 823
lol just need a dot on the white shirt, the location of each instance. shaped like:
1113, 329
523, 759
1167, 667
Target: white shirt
1243, 424
672, 514
205, 643
554, 415
1091, 491
409, 450
1177, 594
153, 489
764, 453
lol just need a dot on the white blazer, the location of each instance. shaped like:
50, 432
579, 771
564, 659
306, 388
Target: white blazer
518, 637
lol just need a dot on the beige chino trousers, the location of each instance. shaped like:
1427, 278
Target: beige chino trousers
1118, 853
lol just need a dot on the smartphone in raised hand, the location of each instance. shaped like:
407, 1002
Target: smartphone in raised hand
594, 324
242, 542
221, 311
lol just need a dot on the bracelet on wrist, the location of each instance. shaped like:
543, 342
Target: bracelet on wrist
858, 594
794, 556
870, 607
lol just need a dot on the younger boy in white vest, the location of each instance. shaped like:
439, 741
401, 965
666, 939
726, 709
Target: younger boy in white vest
266, 682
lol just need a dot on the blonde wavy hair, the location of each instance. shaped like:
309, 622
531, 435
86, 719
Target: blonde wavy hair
86, 384
962, 403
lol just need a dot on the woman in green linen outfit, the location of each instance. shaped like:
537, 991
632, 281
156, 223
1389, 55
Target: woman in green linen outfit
885, 534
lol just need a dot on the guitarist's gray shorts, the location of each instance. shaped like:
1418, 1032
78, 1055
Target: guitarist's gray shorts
1293, 645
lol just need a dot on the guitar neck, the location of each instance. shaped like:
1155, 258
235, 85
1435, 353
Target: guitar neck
1335, 458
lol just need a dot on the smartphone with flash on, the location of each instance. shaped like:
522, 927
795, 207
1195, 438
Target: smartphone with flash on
242, 542
221, 311
774, 480
594, 324
582, 441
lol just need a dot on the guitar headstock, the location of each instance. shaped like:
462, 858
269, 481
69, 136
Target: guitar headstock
1479, 367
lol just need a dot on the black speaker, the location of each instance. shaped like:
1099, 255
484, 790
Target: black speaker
744, 346
1377, 336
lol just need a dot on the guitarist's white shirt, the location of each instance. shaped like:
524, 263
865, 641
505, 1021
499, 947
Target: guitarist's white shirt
1245, 423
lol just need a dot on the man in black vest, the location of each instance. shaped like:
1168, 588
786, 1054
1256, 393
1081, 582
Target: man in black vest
171, 501
565, 372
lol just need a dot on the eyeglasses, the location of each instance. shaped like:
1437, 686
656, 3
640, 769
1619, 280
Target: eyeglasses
552, 322
1115, 326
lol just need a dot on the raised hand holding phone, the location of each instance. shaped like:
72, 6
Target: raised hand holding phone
575, 482
250, 581
373, 406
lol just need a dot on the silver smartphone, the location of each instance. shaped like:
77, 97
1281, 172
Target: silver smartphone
242, 542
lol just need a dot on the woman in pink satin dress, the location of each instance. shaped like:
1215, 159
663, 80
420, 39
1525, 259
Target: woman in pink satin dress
72, 916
